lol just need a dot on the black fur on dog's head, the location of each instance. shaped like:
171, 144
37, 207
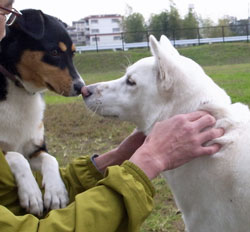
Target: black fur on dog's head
39, 50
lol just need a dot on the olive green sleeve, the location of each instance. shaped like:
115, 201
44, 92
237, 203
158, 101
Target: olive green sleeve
120, 202
80, 175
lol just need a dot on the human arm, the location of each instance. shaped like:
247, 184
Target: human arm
122, 152
79, 175
119, 202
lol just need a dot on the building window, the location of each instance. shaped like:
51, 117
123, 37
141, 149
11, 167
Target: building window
115, 21
94, 21
94, 31
117, 38
95, 39
116, 30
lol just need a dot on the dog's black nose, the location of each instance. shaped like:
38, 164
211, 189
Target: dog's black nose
78, 87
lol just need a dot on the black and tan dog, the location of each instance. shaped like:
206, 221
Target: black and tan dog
36, 55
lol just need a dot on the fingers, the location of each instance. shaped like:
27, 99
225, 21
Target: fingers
204, 122
211, 134
193, 116
210, 150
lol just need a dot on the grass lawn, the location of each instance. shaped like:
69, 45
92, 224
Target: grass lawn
71, 130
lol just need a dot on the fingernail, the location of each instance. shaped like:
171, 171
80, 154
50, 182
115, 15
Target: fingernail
222, 131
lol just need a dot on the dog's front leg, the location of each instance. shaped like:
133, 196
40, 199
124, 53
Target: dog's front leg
29, 193
56, 195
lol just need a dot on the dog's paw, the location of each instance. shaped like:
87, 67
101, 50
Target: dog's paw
30, 198
56, 195
30, 195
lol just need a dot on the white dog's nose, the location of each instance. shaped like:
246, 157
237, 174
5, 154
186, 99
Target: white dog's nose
85, 92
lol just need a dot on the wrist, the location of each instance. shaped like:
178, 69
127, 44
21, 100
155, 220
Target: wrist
144, 161
107, 159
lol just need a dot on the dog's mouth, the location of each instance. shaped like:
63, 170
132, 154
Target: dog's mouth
110, 116
50, 87
94, 104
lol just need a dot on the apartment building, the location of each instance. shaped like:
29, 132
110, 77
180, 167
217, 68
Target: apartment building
76, 33
101, 29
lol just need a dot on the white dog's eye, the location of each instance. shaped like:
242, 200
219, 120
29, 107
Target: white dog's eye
130, 82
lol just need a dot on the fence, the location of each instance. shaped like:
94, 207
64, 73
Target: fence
180, 37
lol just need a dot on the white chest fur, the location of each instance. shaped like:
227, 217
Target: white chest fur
20, 118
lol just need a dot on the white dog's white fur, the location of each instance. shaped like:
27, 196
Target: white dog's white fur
213, 192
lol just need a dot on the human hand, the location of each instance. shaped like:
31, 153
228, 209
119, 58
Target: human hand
176, 141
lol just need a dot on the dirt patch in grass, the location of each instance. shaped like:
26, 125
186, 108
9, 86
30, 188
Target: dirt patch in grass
72, 130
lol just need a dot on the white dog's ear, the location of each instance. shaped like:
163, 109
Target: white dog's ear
167, 45
164, 61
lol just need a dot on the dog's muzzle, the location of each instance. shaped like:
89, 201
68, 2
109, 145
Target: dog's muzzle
78, 87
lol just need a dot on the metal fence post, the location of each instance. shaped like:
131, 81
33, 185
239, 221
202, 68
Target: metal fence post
174, 37
147, 35
122, 36
247, 32
198, 34
96, 43
223, 34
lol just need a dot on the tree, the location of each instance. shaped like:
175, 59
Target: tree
134, 27
175, 21
208, 29
224, 23
167, 22
159, 24
190, 24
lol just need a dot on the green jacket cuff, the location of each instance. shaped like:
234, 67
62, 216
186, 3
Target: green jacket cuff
140, 176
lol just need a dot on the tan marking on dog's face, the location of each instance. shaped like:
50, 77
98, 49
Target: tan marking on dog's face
43, 75
62, 46
73, 48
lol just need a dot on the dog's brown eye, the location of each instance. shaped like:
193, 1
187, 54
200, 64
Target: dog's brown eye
54, 52
130, 82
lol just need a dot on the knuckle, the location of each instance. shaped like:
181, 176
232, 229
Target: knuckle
180, 119
214, 133
157, 124
195, 141
210, 119
209, 151
188, 129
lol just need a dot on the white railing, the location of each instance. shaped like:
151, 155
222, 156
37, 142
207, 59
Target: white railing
184, 42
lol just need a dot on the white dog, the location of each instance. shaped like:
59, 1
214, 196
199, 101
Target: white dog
212, 192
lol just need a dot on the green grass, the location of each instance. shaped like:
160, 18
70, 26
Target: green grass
72, 131
92, 62
235, 79
219, 54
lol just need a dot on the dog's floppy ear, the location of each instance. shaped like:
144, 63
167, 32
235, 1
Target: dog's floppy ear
31, 23
164, 62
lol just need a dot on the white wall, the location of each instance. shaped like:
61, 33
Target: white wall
104, 26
